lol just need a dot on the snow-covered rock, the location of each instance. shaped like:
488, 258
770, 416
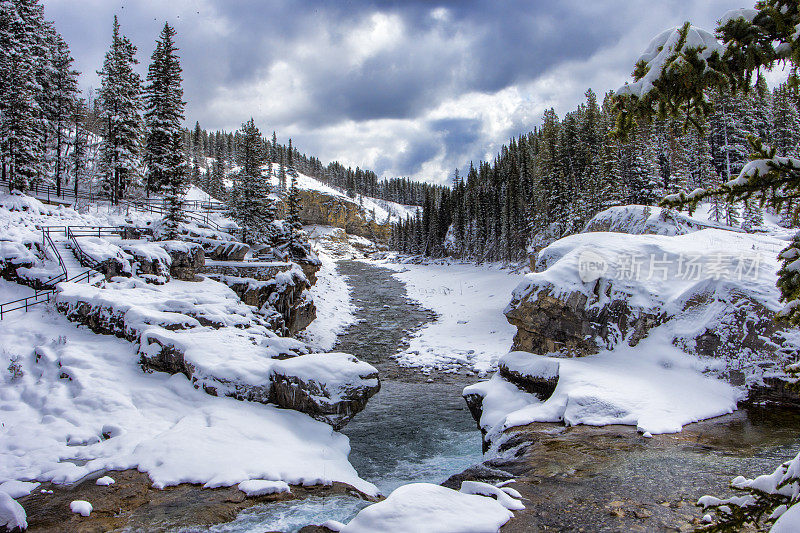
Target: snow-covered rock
424, 507
12, 516
331, 387
285, 293
644, 220
261, 487
712, 289
81, 507
659, 315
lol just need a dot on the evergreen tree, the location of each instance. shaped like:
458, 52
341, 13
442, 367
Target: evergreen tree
164, 106
79, 145
293, 208
249, 201
281, 174
64, 91
120, 103
21, 115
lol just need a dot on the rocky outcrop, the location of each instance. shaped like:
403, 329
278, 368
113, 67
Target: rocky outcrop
328, 210
231, 355
286, 294
14, 255
530, 373
188, 259
595, 290
257, 270
572, 325
331, 387
221, 250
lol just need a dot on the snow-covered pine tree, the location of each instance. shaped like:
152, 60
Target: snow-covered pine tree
63, 100
216, 186
164, 105
249, 201
293, 208
21, 115
79, 144
120, 102
290, 169
281, 174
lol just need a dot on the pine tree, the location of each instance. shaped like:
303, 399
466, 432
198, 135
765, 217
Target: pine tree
79, 145
290, 169
21, 115
249, 201
120, 103
281, 174
164, 106
64, 91
293, 208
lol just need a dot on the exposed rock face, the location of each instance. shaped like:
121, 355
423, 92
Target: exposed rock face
331, 387
286, 294
326, 210
571, 324
188, 259
257, 270
530, 373
220, 250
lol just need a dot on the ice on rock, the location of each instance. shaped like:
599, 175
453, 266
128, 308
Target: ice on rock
105, 481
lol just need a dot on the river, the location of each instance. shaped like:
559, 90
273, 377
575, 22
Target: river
417, 428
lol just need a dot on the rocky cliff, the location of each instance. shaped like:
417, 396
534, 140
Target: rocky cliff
318, 208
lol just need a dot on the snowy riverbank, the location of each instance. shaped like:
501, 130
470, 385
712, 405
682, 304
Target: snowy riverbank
470, 330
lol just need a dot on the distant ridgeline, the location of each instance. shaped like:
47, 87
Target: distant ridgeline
550, 182
209, 147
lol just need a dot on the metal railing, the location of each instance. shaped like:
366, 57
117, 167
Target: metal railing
50, 192
89, 231
48, 292
150, 207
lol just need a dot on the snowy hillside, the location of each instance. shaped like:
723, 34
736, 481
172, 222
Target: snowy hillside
381, 210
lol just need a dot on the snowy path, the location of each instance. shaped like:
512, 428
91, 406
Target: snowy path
471, 329
71, 262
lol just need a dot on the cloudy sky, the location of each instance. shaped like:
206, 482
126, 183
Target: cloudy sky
405, 88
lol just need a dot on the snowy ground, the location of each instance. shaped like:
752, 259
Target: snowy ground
471, 329
83, 405
334, 308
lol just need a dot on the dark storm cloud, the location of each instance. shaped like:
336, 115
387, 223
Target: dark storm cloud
459, 135
337, 83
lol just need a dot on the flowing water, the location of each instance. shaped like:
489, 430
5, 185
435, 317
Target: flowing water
412, 430
417, 428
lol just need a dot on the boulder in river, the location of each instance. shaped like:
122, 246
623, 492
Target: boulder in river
330, 387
